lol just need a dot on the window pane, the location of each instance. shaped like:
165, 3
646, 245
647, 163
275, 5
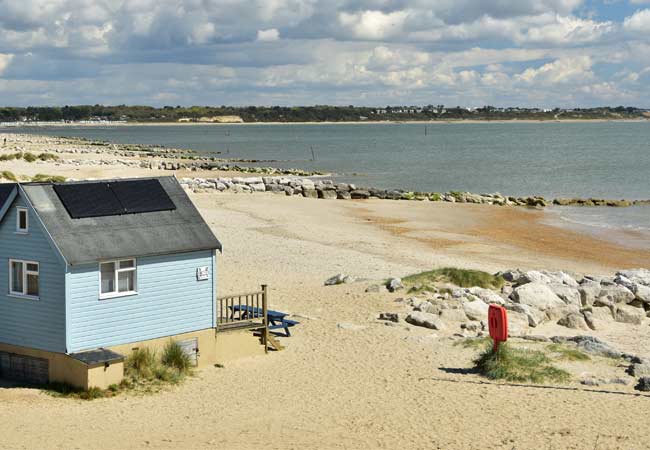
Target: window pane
108, 277
32, 285
126, 264
32, 267
126, 281
22, 219
17, 277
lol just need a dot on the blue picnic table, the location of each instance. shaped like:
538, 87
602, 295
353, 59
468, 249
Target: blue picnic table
277, 319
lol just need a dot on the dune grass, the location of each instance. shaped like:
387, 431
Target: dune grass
568, 354
44, 178
518, 365
144, 372
459, 277
8, 175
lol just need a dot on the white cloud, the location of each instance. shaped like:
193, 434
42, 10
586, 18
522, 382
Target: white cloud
272, 34
638, 22
374, 24
560, 71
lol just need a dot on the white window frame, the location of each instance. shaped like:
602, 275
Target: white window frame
116, 293
21, 209
26, 272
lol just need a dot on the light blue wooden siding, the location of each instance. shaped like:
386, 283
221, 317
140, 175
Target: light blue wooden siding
32, 323
169, 301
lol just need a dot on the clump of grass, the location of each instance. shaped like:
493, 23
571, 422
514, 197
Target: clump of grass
518, 365
44, 178
568, 354
11, 156
7, 175
141, 364
29, 157
174, 357
66, 390
459, 277
48, 157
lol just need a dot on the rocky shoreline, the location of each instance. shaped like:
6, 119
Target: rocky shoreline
329, 189
290, 181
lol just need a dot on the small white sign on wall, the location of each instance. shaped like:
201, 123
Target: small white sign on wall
202, 273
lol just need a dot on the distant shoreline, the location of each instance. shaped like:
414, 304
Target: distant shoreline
373, 122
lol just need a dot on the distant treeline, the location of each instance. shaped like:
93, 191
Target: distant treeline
319, 113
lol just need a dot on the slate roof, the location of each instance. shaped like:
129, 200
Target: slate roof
96, 239
7, 193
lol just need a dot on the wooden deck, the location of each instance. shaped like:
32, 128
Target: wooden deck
233, 313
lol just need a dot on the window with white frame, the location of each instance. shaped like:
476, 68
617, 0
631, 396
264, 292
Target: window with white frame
117, 278
22, 220
23, 278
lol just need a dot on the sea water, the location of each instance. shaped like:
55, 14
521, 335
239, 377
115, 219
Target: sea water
554, 159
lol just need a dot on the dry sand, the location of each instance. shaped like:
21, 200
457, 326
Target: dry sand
377, 387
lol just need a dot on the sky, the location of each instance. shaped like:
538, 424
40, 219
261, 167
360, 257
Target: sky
546, 53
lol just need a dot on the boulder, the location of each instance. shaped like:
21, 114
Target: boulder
534, 315
487, 295
534, 276
559, 312
338, 279
589, 292
359, 194
589, 320
326, 194
309, 193
424, 306
511, 276
476, 310
642, 292
629, 314
641, 276
394, 284
343, 195
617, 293
639, 370
425, 320
590, 344
391, 317
257, 187
603, 313
643, 384
537, 295
569, 295
574, 321
517, 323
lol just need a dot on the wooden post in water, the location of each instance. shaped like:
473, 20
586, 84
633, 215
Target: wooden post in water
313, 157
265, 310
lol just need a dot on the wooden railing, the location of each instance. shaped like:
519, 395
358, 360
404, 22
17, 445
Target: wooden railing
244, 311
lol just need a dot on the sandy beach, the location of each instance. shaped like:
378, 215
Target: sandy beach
367, 386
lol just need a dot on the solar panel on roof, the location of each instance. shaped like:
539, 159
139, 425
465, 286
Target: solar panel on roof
83, 200
140, 196
88, 200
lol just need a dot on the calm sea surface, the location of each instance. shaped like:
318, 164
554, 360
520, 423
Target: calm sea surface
610, 160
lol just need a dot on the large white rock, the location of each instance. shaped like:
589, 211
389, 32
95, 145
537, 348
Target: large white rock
641, 276
617, 293
589, 292
570, 295
574, 321
517, 323
642, 292
486, 295
629, 314
534, 315
537, 295
426, 320
476, 310
534, 276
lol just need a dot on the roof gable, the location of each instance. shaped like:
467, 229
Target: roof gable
92, 239
8, 192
